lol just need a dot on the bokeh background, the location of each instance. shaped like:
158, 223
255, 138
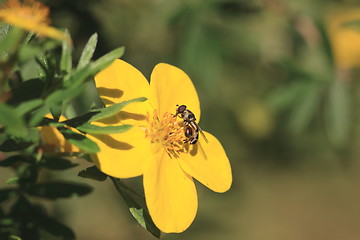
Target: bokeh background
278, 83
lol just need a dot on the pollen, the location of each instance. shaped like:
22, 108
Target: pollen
167, 132
30, 15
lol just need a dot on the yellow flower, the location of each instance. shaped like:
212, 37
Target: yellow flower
31, 16
155, 146
344, 39
53, 141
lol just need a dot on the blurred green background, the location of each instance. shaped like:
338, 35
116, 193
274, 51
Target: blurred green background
278, 83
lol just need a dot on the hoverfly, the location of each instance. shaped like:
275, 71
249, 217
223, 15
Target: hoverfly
192, 128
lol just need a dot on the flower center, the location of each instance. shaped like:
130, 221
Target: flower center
30, 10
167, 132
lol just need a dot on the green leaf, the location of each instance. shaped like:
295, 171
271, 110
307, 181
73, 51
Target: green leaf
286, 97
35, 216
79, 77
79, 140
88, 51
13, 180
137, 207
56, 163
38, 116
306, 107
14, 144
30, 50
66, 58
138, 215
91, 69
63, 94
13, 237
93, 129
28, 173
80, 120
113, 109
56, 228
22, 94
59, 189
26, 107
13, 123
354, 24
55, 110
9, 161
6, 193
338, 113
92, 173
100, 113
325, 42
4, 30
11, 41
107, 59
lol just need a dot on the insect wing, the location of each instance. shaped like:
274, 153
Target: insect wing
203, 135
201, 132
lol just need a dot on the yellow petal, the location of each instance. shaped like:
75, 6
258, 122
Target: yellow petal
344, 39
121, 82
122, 155
54, 141
170, 194
208, 163
171, 86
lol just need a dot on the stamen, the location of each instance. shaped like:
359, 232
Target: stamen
32, 16
29, 10
166, 131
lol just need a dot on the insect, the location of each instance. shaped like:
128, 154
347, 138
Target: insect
192, 134
192, 128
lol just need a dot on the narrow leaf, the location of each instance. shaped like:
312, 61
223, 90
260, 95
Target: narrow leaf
93, 129
28, 51
107, 59
64, 94
79, 120
4, 30
88, 51
13, 123
13, 180
137, 207
353, 24
113, 109
92, 173
305, 108
79, 140
66, 58
11, 40
55, 110
59, 189
56, 228
28, 106
138, 215
91, 69
22, 94
14, 144
338, 113
50, 224
6, 193
13, 237
9, 161
56, 163
38, 115
325, 42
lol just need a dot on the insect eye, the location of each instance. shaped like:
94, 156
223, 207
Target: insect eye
181, 108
